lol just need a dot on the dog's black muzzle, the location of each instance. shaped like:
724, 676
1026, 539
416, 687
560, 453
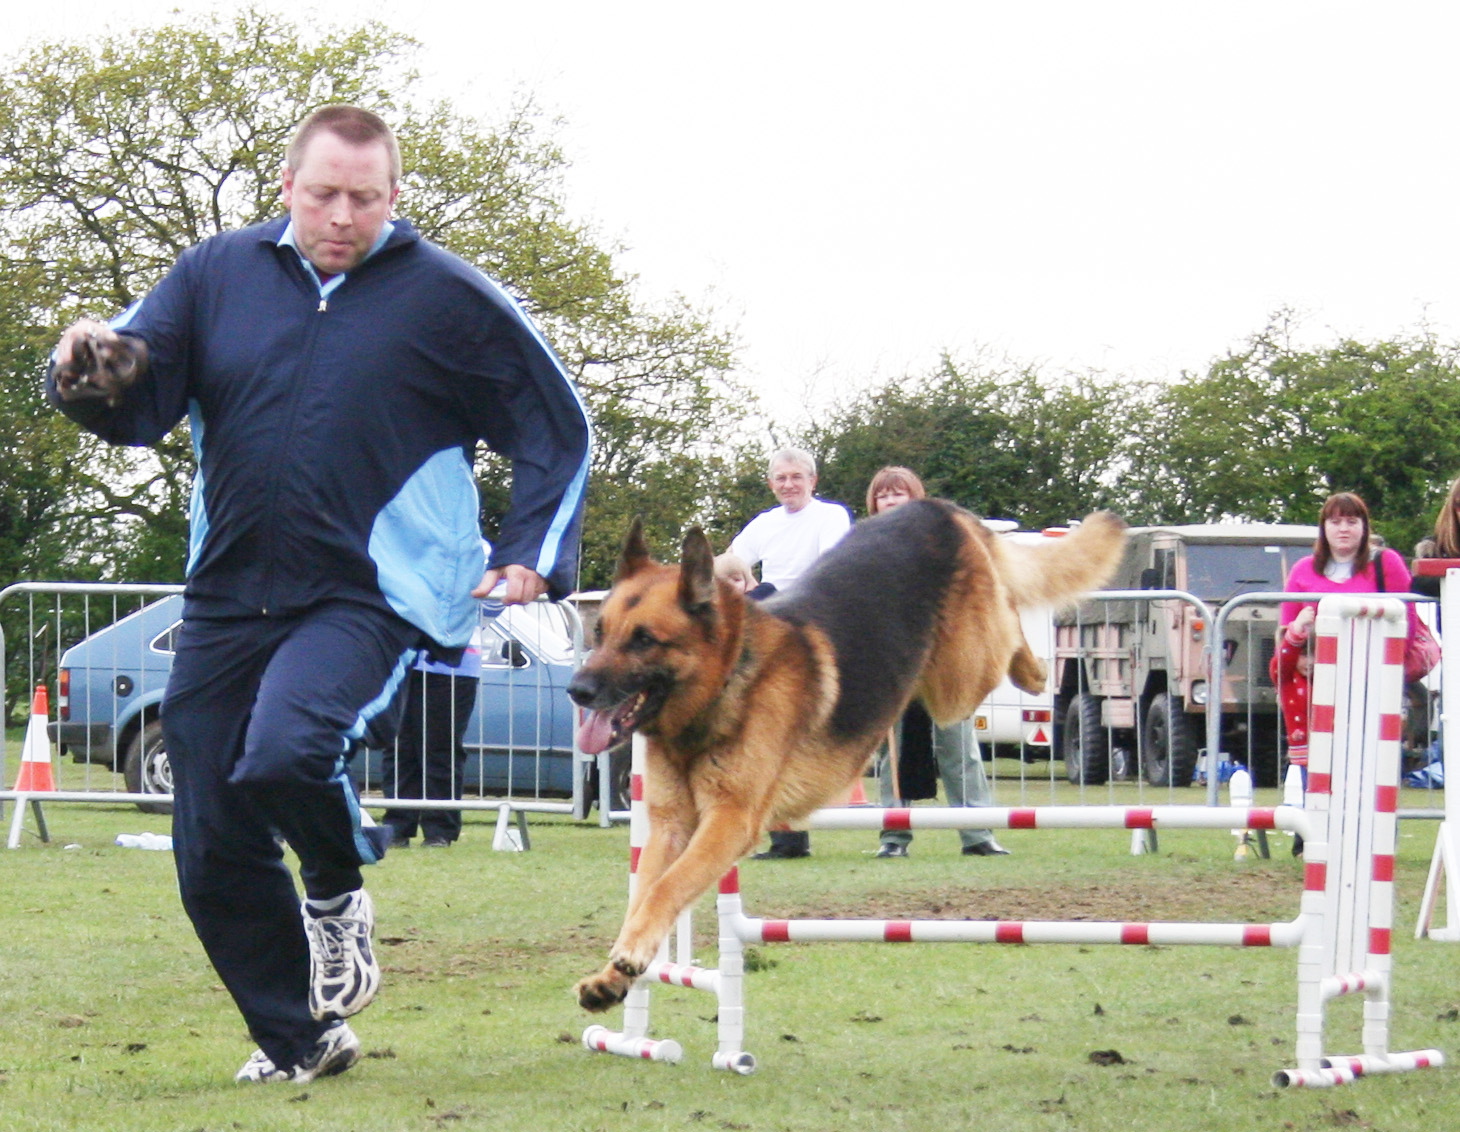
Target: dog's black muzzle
585, 688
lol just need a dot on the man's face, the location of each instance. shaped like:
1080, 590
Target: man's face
339, 199
792, 484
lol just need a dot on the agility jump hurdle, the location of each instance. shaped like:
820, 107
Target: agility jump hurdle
1444, 878
1344, 924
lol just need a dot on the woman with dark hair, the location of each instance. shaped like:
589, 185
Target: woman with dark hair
1343, 561
927, 752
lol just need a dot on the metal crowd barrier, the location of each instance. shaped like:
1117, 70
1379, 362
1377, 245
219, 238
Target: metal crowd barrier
1241, 724
104, 652
1104, 729
1423, 706
522, 756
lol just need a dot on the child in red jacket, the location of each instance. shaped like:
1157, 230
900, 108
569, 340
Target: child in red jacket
1291, 669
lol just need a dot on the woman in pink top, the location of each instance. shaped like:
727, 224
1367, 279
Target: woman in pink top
1341, 562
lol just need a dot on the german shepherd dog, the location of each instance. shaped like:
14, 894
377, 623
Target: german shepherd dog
759, 713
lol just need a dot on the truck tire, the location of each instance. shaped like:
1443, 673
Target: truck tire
1265, 760
1169, 744
146, 769
1083, 742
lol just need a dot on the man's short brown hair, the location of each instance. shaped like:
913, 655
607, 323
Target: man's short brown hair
350, 124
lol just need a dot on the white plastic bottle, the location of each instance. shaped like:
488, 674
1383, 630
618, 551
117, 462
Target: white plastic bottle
145, 841
1239, 797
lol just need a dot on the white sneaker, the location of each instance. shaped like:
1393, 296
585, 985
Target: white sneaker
337, 1049
343, 973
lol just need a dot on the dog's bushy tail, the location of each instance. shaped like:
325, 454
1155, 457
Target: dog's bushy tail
972, 654
1059, 571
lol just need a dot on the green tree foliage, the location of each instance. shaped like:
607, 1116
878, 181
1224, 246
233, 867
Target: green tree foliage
116, 154
1269, 432
1266, 434
32, 481
1002, 441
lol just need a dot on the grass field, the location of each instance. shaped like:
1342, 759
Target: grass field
110, 1018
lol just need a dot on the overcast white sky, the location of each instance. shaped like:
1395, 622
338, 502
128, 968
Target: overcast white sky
1133, 185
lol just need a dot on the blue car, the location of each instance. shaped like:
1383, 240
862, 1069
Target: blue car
519, 740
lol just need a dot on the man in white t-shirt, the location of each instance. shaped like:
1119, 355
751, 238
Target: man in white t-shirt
785, 541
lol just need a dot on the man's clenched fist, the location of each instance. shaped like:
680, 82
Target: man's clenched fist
93, 361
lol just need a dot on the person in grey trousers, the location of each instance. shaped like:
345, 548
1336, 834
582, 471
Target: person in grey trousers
922, 746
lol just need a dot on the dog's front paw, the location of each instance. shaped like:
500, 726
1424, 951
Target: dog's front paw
632, 960
603, 990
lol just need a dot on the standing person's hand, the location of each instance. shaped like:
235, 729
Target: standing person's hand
523, 585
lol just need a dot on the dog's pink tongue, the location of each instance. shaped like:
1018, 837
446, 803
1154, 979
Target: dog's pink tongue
595, 732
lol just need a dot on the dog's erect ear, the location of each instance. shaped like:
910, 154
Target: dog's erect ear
697, 573
635, 554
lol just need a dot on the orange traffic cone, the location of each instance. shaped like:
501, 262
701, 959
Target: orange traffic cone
35, 757
858, 796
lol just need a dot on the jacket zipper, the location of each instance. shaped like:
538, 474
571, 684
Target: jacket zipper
308, 356
300, 387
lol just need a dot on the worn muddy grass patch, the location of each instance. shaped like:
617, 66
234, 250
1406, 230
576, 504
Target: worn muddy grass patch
1238, 896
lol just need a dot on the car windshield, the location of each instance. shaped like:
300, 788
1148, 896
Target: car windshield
1218, 573
543, 627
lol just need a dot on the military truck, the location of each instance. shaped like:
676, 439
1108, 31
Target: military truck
1130, 677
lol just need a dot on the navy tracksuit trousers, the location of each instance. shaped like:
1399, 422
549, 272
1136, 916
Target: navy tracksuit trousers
428, 758
260, 718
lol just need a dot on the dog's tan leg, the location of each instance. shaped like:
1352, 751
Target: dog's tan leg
725, 834
669, 834
671, 809
671, 827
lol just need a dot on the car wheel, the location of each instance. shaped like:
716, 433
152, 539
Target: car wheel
620, 775
146, 770
1083, 742
1170, 746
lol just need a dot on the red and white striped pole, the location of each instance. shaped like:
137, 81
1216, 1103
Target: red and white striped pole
1353, 797
633, 1039
1444, 875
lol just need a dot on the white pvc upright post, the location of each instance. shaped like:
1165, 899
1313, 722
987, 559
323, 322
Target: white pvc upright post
633, 1039
730, 1049
1445, 863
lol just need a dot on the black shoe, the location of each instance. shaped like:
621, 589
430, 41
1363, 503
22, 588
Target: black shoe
776, 853
891, 849
989, 848
436, 841
398, 840
1297, 845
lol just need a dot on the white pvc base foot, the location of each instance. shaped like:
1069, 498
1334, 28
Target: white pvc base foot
601, 1039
